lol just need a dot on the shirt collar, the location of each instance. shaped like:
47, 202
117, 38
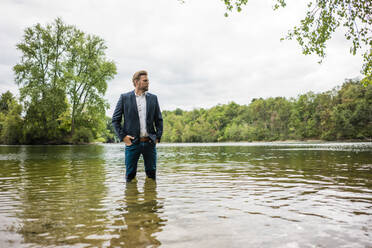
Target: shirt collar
143, 94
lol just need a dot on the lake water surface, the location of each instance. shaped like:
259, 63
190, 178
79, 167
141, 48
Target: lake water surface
206, 195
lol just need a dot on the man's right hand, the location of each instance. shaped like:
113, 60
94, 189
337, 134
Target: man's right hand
128, 140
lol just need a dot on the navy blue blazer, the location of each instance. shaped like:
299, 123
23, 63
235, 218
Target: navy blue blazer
127, 108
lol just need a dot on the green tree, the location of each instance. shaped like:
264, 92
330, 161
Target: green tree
39, 74
352, 116
324, 104
303, 124
10, 119
63, 75
86, 73
109, 134
5, 101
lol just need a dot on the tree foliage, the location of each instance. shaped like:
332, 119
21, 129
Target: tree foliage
10, 119
322, 18
63, 76
87, 72
339, 114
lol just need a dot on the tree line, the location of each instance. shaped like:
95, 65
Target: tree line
344, 113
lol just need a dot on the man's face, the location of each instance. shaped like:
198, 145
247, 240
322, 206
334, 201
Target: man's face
143, 83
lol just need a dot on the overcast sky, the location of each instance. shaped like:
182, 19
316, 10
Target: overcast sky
196, 57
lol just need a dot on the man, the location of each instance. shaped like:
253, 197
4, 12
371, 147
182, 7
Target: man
142, 128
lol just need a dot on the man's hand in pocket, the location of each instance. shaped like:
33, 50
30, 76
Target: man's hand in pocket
128, 140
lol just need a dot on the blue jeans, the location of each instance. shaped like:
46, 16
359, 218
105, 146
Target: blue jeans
132, 154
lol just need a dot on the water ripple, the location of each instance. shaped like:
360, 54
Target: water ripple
215, 195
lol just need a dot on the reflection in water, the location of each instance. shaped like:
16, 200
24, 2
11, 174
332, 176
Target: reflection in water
140, 217
59, 195
62, 204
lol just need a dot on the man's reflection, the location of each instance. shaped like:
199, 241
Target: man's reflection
141, 216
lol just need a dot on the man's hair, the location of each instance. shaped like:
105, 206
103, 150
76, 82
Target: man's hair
137, 76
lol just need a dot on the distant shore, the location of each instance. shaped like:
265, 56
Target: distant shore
221, 142
263, 141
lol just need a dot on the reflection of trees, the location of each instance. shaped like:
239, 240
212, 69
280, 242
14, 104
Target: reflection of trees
62, 190
141, 217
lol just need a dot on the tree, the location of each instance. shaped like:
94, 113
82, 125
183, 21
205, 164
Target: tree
63, 75
109, 134
352, 116
322, 18
39, 74
5, 101
87, 72
10, 119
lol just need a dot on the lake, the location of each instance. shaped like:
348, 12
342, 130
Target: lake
206, 195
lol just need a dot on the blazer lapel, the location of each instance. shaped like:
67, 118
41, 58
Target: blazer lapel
134, 103
147, 105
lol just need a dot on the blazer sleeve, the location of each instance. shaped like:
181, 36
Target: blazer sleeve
116, 119
158, 121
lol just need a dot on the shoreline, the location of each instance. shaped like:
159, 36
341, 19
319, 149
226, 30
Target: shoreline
308, 141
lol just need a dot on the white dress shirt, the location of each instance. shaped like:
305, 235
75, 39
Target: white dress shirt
141, 106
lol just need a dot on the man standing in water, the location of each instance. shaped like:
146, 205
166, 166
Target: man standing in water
142, 128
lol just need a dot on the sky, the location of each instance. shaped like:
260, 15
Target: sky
195, 56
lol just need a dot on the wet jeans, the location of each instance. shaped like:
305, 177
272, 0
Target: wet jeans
132, 154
